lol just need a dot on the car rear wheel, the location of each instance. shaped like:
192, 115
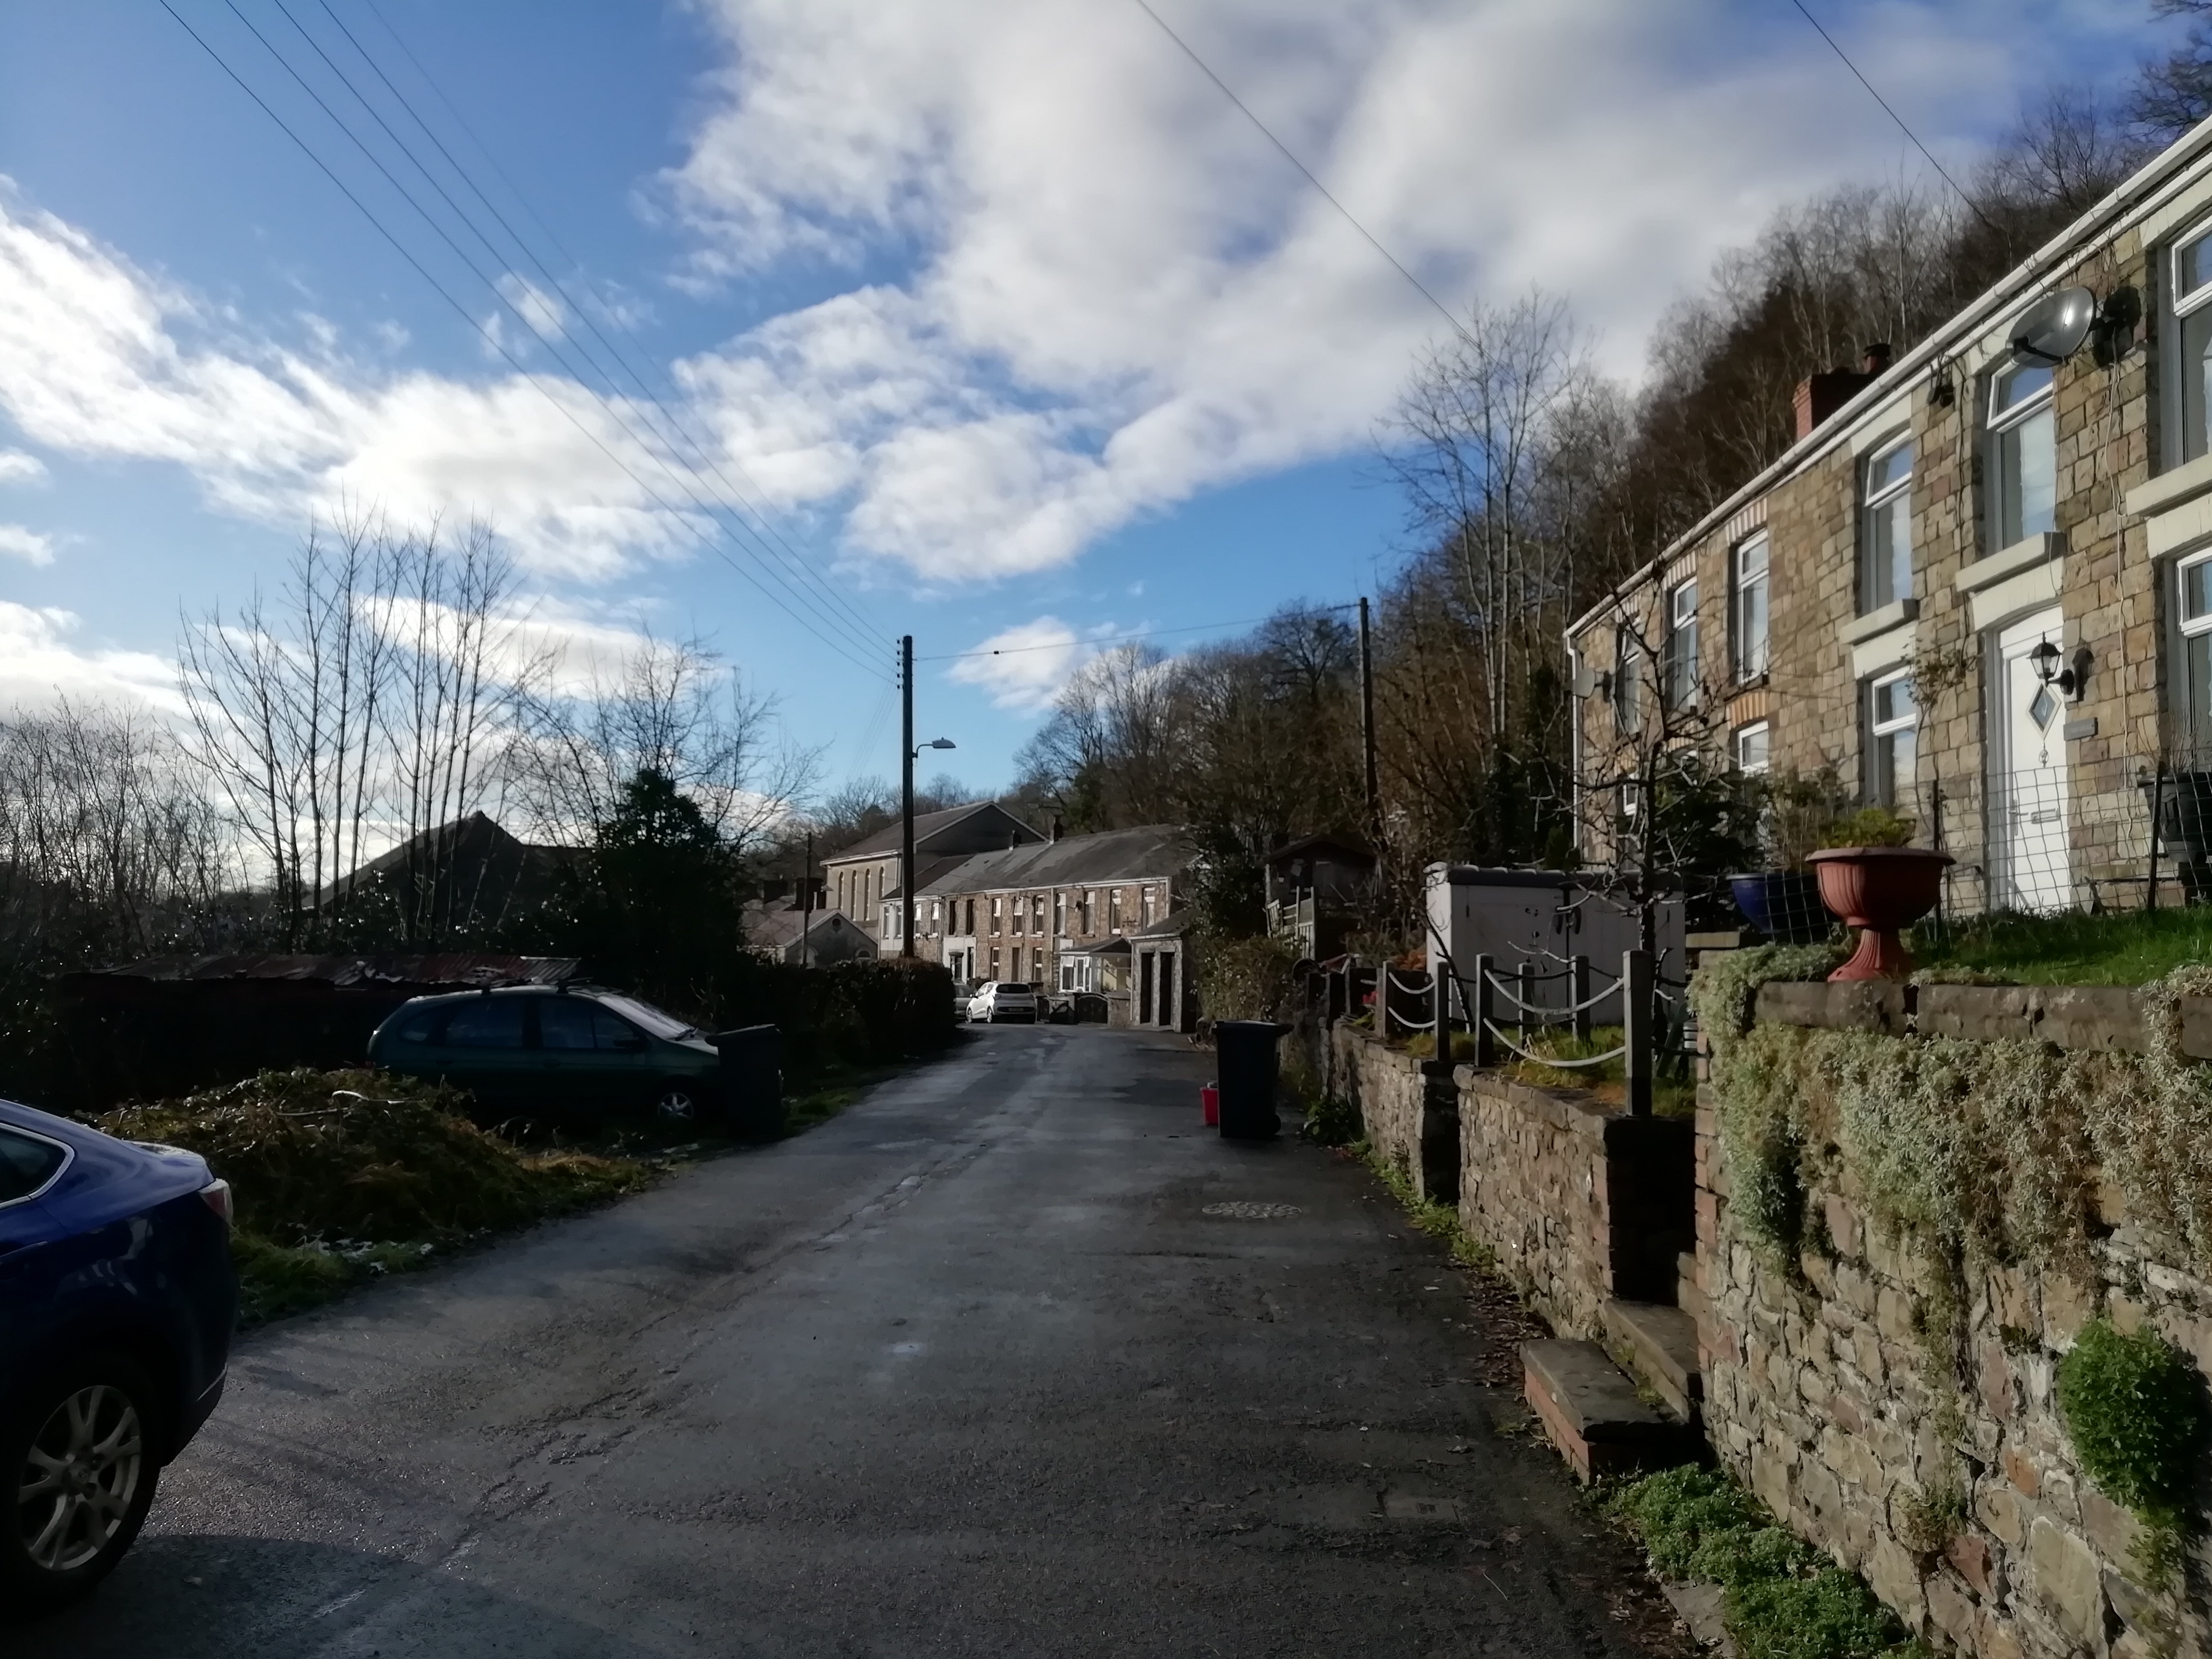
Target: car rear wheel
81, 1452
676, 1104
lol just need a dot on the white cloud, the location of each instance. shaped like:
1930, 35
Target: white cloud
1024, 668
38, 665
99, 358
1124, 296
18, 542
20, 466
543, 317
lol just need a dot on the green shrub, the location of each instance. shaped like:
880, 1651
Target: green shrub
1831, 1615
1244, 978
2135, 1408
1332, 1121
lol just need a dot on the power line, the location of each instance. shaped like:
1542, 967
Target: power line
499, 295
1443, 310
1972, 205
1125, 639
490, 336
790, 556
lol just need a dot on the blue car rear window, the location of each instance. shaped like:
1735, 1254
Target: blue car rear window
27, 1163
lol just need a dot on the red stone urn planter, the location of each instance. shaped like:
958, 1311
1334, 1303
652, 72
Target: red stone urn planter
1880, 890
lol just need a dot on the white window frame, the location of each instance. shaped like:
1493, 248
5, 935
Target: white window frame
1763, 732
1880, 773
1878, 506
2181, 442
1680, 689
1750, 655
2002, 424
1628, 659
2195, 719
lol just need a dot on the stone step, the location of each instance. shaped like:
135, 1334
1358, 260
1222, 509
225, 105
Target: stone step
1659, 1345
1592, 1413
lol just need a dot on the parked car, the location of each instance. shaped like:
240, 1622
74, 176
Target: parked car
116, 1302
563, 1052
1001, 999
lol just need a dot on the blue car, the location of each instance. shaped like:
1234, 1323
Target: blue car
116, 1302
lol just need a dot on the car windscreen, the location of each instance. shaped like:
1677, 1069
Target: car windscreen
27, 1163
653, 1019
486, 1022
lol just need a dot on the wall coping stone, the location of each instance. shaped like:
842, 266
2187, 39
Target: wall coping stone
2087, 1017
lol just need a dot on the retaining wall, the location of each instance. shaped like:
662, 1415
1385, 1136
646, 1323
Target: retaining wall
1580, 1201
1823, 1393
1409, 1117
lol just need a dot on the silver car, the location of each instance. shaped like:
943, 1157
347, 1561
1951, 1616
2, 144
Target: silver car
1001, 999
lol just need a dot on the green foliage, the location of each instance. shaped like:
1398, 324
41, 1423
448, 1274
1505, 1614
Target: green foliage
1725, 990
1702, 826
363, 1155
1244, 978
1437, 1220
1781, 1600
1871, 826
336, 1175
2135, 1408
1331, 1121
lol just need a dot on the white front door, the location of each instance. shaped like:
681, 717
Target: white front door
2030, 841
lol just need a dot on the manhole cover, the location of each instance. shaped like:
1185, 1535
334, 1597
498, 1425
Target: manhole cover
1242, 1211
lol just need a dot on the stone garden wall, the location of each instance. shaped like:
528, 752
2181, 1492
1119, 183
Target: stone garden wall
1913, 1431
1404, 1114
1579, 1202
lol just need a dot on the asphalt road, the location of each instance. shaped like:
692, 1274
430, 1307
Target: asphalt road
970, 1370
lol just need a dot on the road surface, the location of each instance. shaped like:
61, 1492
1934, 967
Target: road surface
979, 1366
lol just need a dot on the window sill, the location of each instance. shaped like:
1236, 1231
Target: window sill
2170, 487
2010, 562
1875, 623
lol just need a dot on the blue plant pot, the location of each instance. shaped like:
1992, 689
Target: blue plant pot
1784, 904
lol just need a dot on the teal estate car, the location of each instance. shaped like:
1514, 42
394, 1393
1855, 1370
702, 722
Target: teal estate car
573, 1051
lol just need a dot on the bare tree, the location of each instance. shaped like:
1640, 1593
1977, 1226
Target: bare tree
106, 848
672, 709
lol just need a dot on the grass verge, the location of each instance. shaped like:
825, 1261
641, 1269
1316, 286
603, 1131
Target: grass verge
1780, 1598
2130, 947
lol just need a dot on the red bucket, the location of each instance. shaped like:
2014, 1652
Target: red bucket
1210, 1098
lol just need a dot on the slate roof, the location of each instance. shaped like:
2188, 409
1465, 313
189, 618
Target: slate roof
926, 824
1113, 855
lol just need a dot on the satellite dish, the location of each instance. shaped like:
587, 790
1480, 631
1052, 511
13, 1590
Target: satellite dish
2052, 329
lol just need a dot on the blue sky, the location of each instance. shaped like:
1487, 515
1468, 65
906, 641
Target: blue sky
1014, 325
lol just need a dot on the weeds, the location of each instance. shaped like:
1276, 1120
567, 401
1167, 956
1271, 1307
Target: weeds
1780, 1600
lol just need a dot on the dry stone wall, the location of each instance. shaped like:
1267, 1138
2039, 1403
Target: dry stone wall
1921, 1447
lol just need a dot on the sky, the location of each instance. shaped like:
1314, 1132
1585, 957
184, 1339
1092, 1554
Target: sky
796, 325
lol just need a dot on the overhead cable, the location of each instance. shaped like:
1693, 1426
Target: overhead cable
1126, 638
489, 335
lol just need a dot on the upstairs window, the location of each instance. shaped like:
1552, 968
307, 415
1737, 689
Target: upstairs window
2192, 335
1627, 683
1750, 629
1886, 527
2193, 615
1682, 683
2024, 444
1893, 757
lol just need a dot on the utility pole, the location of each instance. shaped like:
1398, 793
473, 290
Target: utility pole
806, 904
906, 787
1367, 724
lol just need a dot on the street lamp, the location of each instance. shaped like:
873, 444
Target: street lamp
906, 769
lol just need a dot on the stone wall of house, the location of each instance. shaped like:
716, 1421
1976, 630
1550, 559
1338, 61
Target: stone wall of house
1825, 1395
2104, 581
1579, 1202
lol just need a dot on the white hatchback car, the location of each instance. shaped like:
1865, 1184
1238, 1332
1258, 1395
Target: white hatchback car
1001, 999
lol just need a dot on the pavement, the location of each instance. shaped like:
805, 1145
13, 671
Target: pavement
1012, 1356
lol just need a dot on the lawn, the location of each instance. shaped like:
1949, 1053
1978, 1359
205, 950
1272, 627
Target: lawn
2116, 948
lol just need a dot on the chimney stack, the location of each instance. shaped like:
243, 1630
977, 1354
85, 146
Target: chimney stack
1058, 829
1876, 359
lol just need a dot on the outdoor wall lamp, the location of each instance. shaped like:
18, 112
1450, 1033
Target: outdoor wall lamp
2044, 659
